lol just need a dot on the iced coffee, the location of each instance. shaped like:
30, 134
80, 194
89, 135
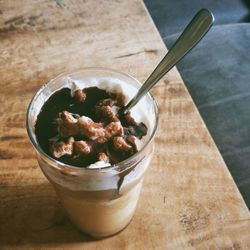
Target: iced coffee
94, 158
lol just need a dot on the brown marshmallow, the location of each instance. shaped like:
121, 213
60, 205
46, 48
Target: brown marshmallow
60, 148
70, 126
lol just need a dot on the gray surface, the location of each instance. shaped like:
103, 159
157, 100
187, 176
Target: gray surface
217, 75
172, 16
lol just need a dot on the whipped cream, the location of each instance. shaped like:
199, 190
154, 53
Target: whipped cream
99, 164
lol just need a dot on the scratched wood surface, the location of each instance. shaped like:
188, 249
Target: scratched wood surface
189, 200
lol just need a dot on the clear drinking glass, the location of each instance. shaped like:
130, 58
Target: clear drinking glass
100, 202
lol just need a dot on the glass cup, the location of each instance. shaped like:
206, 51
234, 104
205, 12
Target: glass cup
100, 202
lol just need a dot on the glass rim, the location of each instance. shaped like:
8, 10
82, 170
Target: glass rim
60, 165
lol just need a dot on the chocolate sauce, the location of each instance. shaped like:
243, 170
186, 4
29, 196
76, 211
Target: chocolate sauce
47, 133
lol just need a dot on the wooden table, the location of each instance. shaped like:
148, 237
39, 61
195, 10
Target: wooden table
189, 200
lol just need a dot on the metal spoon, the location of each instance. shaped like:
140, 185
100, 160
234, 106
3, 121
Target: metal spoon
196, 29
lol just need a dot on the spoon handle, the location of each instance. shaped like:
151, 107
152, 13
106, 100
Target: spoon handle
192, 34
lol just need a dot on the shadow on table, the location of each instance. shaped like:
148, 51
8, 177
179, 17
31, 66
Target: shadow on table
33, 214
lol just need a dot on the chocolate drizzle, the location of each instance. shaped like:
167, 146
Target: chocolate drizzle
90, 110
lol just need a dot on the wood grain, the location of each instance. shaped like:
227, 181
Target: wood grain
189, 199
